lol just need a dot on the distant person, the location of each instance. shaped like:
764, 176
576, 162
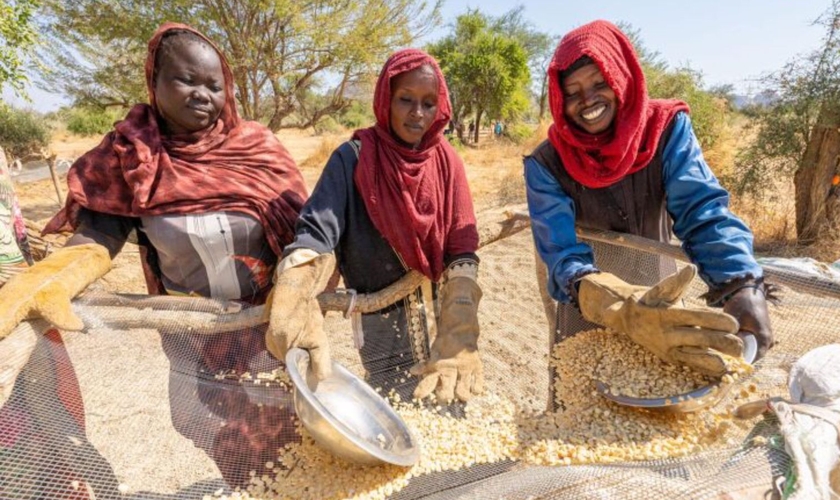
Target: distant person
472, 130
214, 200
617, 160
498, 129
392, 199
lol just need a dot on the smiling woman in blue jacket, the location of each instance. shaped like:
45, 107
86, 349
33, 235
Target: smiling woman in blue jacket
619, 161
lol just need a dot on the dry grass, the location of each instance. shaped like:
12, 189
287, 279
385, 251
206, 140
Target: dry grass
318, 158
494, 169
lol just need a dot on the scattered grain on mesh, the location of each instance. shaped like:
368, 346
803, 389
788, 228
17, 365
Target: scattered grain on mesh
487, 434
277, 377
587, 429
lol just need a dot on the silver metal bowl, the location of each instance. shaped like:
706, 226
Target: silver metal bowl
697, 399
347, 417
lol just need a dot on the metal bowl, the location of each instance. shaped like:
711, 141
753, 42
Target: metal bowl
688, 402
347, 417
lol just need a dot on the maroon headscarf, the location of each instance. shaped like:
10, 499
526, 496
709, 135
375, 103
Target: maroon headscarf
601, 160
234, 165
417, 198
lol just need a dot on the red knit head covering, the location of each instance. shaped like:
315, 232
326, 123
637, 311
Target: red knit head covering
601, 160
417, 198
234, 165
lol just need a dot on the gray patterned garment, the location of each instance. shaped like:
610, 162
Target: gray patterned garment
223, 255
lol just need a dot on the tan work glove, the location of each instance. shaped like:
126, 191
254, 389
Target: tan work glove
654, 318
295, 318
46, 289
454, 367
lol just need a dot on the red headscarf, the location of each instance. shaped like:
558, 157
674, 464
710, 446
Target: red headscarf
234, 165
601, 160
417, 198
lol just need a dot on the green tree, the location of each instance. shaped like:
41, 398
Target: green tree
539, 48
709, 113
282, 52
799, 135
487, 71
18, 36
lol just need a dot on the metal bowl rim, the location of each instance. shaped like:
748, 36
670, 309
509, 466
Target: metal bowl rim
406, 459
677, 401
657, 403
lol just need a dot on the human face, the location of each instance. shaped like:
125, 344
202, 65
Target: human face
414, 104
588, 101
189, 87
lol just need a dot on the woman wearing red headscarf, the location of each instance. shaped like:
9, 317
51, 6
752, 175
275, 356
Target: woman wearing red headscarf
213, 200
617, 160
393, 199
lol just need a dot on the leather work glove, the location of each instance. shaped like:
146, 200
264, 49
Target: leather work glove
454, 368
746, 300
654, 318
46, 289
295, 318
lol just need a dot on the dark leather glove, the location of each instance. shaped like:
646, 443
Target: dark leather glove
746, 301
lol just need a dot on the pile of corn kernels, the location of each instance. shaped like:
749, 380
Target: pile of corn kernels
631, 370
586, 429
647, 376
590, 429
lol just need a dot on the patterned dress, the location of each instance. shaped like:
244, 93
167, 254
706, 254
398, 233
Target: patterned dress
14, 246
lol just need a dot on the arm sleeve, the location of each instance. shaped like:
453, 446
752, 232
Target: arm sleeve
713, 237
323, 218
553, 225
110, 231
462, 240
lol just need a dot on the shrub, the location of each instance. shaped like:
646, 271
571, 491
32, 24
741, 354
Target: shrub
357, 115
518, 133
456, 143
327, 125
22, 132
92, 121
708, 113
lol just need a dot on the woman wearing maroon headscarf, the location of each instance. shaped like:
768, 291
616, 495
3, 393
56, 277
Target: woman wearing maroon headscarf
213, 200
617, 160
392, 199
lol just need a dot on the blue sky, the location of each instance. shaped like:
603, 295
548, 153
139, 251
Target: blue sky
731, 41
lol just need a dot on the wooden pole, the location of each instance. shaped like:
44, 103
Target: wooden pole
58, 192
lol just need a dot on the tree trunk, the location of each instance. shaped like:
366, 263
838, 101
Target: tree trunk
477, 124
815, 197
543, 96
